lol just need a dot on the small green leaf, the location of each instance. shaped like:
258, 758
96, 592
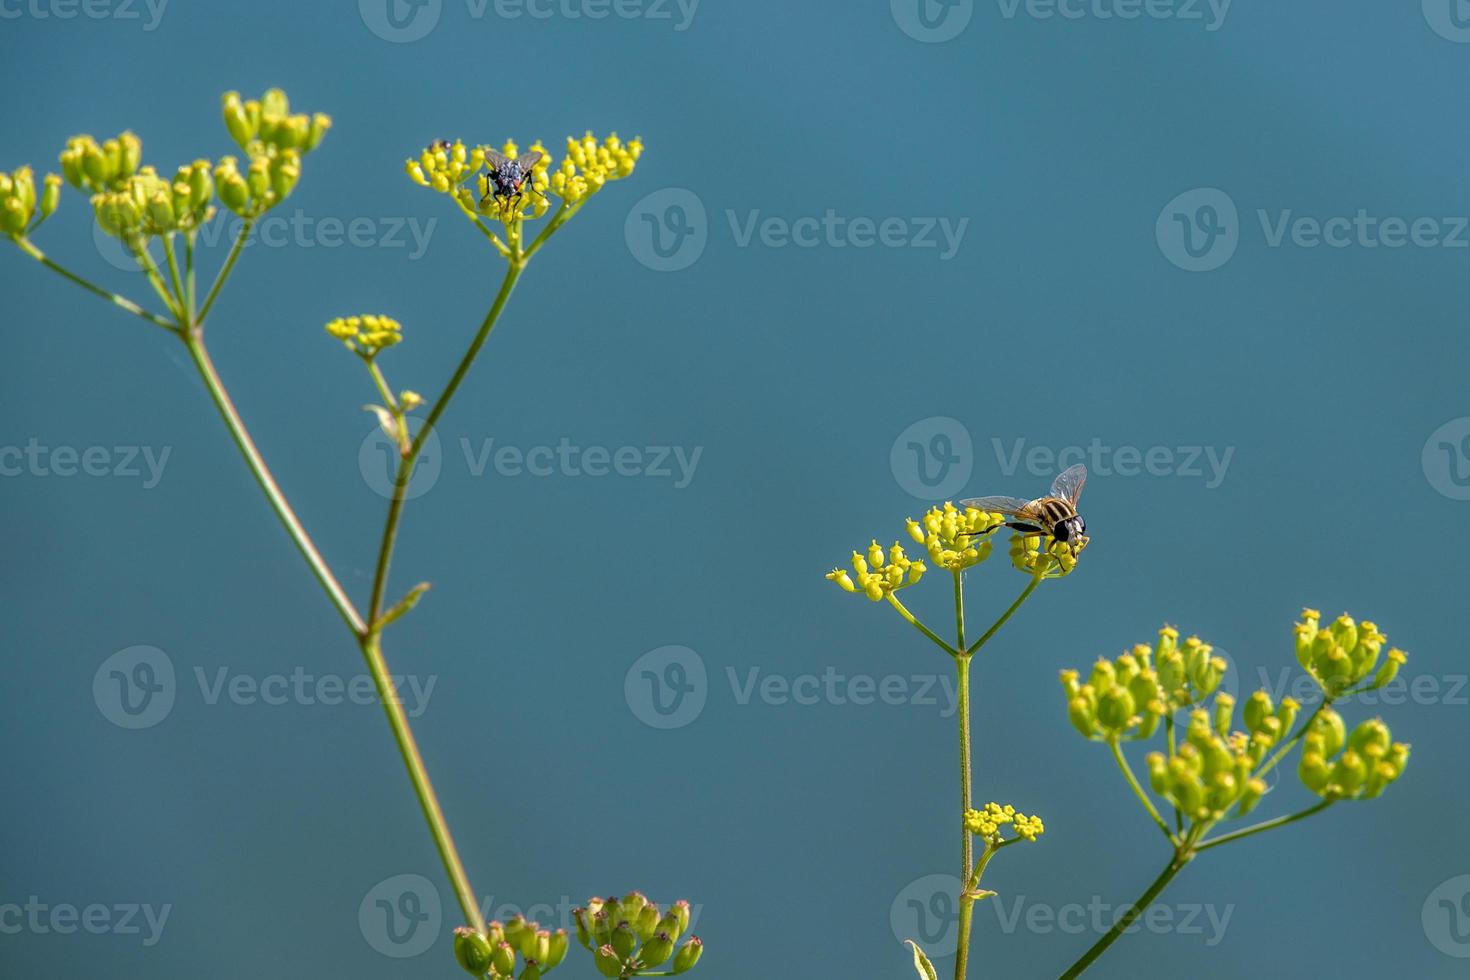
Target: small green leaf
404, 605
385, 419
922, 966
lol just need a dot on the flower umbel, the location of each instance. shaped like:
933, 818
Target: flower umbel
954, 538
1359, 765
1043, 556
1343, 654
986, 823
366, 335
879, 574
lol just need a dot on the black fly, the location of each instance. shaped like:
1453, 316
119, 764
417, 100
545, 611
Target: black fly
509, 180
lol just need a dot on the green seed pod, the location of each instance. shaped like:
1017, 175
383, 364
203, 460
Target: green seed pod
161, 212
556, 950
670, 924
516, 928
1390, 668
1115, 709
1104, 675
94, 165
632, 904
1370, 738
656, 951
608, 963
503, 960
537, 946
624, 940
1314, 771
236, 121
15, 216
1254, 790
647, 922
1329, 727
1258, 708
1158, 772
284, 177
688, 955
472, 950
1224, 712
683, 914
50, 195
1286, 713
320, 123
130, 155
495, 932
584, 932
532, 971
1079, 711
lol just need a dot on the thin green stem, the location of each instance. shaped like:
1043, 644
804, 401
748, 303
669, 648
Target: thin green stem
1264, 825
995, 628
225, 270
418, 773
382, 385
1178, 814
29, 247
1134, 911
268, 485
1148, 804
967, 905
189, 274
562, 216
904, 612
155, 277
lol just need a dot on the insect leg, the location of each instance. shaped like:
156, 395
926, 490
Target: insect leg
1025, 528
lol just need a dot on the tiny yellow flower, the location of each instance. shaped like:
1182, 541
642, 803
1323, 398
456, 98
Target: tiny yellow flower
878, 573
367, 335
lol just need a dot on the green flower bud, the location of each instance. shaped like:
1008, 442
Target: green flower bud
1371, 738
671, 924
1387, 672
538, 946
688, 955
94, 165
647, 922
1349, 773
1224, 711
1158, 772
161, 211
503, 960
1104, 675
632, 904
556, 950
1115, 709
130, 154
532, 971
517, 930
624, 940
1079, 710
236, 121
608, 963
1329, 727
656, 951
1286, 713
1258, 708
584, 931
15, 216
320, 123
472, 950
1254, 790
1314, 771
495, 932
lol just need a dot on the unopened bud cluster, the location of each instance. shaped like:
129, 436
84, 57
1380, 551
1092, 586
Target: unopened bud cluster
367, 335
1344, 654
146, 205
274, 140
955, 539
502, 947
630, 935
1040, 554
1357, 765
1126, 698
1212, 769
878, 574
987, 822
19, 204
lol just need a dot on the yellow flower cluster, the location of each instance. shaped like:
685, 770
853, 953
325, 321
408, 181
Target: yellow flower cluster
987, 822
878, 574
146, 204
1188, 672
18, 203
94, 167
1356, 766
455, 169
274, 140
953, 537
1039, 554
1343, 654
1210, 772
368, 334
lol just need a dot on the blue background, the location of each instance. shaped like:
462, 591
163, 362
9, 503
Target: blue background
796, 827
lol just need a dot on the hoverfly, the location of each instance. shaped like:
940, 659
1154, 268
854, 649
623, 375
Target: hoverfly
509, 180
1055, 515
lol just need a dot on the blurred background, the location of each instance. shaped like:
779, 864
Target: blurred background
875, 255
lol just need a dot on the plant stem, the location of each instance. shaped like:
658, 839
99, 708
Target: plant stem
195, 344
1134, 911
967, 905
417, 772
180, 299
1025, 594
1148, 804
904, 612
1264, 825
224, 272
29, 247
1286, 746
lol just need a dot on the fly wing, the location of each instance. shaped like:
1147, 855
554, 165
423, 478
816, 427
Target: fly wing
1009, 506
528, 160
1068, 484
495, 158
